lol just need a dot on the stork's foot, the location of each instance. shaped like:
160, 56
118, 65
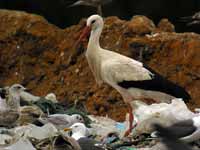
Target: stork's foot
128, 131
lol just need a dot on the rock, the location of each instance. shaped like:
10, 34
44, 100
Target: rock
140, 25
166, 26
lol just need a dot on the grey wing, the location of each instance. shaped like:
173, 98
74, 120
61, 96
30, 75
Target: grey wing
182, 128
81, 2
192, 137
58, 120
196, 15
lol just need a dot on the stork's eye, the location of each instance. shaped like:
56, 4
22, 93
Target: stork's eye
93, 21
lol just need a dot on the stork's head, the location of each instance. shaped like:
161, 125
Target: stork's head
94, 23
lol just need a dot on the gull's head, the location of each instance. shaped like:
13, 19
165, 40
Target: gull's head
17, 88
79, 130
77, 118
93, 23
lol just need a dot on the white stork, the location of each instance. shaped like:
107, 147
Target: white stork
128, 76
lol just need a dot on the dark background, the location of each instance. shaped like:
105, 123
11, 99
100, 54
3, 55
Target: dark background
58, 12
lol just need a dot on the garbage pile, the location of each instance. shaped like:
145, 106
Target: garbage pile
30, 122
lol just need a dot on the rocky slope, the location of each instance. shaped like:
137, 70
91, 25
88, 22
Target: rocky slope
36, 53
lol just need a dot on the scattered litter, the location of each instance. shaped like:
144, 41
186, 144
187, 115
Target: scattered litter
22, 144
163, 113
35, 132
27, 134
51, 97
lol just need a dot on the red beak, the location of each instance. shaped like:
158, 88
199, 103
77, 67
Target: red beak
84, 34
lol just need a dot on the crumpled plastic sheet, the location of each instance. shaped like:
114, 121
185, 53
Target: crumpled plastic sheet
21, 144
163, 113
102, 126
4, 138
38, 133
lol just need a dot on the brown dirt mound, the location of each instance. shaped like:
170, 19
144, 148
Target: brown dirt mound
36, 54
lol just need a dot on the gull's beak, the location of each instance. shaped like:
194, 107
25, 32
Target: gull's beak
84, 34
67, 129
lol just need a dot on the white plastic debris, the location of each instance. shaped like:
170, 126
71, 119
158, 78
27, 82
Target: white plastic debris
163, 113
51, 97
21, 144
5, 138
39, 133
102, 126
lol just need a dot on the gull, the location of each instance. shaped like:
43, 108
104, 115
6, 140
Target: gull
170, 140
61, 121
10, 106
186, 130
192, 20
131, 78
94, 3
79, 133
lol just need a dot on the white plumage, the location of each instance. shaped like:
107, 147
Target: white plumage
80, 133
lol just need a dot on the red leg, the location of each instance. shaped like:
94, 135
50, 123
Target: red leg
131, 119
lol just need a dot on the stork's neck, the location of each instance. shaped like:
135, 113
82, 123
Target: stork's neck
94, 39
